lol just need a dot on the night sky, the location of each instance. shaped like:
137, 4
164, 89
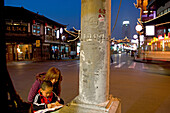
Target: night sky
68, 12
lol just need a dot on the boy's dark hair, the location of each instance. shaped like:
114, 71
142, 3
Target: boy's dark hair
46, 83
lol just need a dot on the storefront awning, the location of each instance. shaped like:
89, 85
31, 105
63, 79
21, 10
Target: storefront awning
160, 20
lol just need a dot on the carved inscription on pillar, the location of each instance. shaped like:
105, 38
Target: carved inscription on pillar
95, 29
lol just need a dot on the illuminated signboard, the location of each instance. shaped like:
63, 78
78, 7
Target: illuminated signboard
38, 43
16, 29
150, 30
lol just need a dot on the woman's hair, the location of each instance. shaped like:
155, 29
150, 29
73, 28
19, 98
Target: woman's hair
53, 73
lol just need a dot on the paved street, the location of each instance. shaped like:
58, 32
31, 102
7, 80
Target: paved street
142, 88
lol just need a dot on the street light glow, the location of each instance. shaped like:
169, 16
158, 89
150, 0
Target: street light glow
126, 22
61, 30
135, 36
58, 34
138, 27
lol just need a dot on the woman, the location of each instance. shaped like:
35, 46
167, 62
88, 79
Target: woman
54, 75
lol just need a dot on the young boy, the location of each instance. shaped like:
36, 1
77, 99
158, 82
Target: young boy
45, 98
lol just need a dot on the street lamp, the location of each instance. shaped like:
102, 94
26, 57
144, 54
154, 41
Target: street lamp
59, 35
135, 36
138, 29
61, 30
63, 39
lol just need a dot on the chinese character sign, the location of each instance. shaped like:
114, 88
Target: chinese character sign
16, 29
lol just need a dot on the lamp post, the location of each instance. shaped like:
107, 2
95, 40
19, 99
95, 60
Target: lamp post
59, 35
138, 29
135, 37
63, 39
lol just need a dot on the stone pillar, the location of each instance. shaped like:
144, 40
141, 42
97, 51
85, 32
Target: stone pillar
94, 61
95, 51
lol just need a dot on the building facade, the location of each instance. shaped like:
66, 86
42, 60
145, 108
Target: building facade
159, 40
154, 18
30, 36
126, 29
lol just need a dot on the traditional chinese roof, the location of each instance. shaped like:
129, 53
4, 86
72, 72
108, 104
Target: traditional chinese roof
125, 40
74, 34
160, 20
20, 13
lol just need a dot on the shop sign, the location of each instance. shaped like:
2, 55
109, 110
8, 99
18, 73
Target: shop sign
155, 39
160, 37
38, 43
149, 44
150, 30
16, 29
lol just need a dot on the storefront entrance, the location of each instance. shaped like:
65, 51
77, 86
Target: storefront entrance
16, 52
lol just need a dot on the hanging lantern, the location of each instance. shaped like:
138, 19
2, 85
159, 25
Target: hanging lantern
45, 24
33, 21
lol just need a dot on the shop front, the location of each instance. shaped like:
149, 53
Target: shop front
30, 36
161, 42
59, 51
158, 38
24, 51
18, 52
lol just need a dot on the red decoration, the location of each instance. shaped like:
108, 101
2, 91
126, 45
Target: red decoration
99, 16
104, 11
54, 27
33, 21
45, 24
100, 11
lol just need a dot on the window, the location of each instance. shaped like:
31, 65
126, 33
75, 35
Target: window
48, 31
168, 9
36, 29
165, 11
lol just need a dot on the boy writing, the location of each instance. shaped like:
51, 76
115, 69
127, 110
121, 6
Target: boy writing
45, 98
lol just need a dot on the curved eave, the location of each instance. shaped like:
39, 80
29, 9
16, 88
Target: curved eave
69, 32
160, 20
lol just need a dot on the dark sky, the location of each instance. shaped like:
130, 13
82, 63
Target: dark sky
68, 12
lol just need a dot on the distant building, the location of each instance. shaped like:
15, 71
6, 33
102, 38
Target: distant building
126, 29
30, 36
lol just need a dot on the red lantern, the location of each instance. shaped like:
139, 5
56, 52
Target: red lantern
45, 24
54, 27
33, 21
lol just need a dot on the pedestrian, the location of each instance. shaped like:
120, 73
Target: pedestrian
53, 75
56, 54
45, 97
111, 59
26, 53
